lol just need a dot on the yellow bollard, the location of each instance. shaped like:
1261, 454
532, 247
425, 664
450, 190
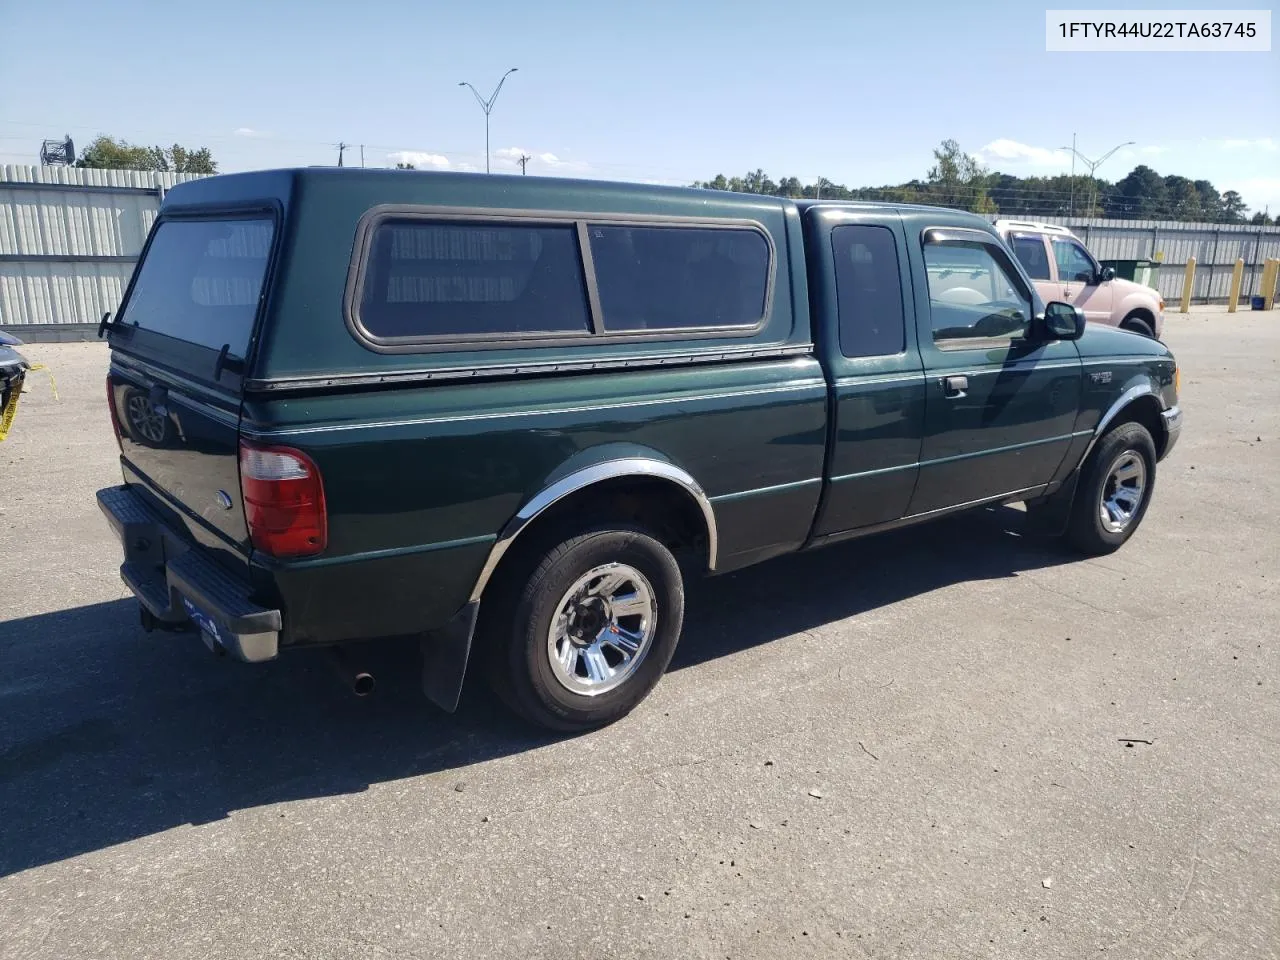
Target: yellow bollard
1269, 270
1188, 282
1237, 278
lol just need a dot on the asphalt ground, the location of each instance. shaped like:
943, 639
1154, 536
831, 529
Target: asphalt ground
906, 746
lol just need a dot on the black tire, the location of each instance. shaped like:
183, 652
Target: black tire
1134, 323
1086, 530
517, 625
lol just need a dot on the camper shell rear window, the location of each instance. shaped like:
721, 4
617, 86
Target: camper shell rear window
201, 281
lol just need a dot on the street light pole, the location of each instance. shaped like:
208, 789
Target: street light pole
487, 107
1092, 165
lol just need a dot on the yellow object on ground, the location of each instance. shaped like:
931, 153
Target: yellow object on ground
1188, 282
11, 408
1237, 278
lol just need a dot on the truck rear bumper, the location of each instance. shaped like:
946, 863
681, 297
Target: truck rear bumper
179, 585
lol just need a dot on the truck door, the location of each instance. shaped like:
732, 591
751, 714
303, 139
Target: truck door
864, 301
1081, 280
1001, 402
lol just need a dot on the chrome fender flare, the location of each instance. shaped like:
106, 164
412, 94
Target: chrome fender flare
580, 480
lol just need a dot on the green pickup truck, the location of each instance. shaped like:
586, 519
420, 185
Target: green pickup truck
511, 416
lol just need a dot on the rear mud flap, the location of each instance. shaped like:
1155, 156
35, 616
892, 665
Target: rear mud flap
444, 658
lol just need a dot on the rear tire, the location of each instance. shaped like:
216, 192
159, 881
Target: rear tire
1115, 488
582, 632
1136, 324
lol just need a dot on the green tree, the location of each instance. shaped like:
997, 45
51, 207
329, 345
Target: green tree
1233, 207
109, 153
1140, 194
401, 165
1210, 200
1260, 219
1183, 199
958, 180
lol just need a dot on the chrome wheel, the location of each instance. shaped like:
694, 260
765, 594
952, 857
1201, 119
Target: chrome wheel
144, 419
603, 628
1122, 491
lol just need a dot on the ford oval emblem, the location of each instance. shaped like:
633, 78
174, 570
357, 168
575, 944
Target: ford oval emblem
224, 499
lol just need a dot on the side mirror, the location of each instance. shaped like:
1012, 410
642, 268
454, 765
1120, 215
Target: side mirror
1063, 321
1108, 273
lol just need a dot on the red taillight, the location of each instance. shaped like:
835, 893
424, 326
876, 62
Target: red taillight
283, 501
115, 417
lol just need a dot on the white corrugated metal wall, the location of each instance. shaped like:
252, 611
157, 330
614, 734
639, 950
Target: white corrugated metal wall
69, 239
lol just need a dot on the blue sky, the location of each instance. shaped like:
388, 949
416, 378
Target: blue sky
859, 93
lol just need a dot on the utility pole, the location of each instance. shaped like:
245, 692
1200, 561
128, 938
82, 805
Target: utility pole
362, 156
524, 162
1071, 205
342, 147
487, 107
818, 190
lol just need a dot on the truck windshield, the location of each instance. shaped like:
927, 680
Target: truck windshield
201, 281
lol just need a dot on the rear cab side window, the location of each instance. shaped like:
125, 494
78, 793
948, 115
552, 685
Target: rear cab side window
973, 295
1030, 251
868, 291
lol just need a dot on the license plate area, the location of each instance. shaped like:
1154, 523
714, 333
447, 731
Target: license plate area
207, 625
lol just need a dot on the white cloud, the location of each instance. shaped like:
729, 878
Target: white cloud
419, 159
1012, 152
248, 132
1264, 143
1258, 192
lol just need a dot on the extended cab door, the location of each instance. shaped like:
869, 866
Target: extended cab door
1001, 402
1081, 279
862, 297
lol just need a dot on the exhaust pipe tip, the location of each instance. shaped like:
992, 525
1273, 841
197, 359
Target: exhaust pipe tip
363, 684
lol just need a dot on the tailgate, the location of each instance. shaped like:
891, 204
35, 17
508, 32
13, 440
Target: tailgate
178, 354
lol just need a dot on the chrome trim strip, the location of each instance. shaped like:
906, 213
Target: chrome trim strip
995, 450
481, 371
759, 491
874, 473
913, 518
1123, 360
853, 379
581, 479
1012, 494
249, 431
366, 555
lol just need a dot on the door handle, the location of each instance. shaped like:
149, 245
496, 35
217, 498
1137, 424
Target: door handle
955, 387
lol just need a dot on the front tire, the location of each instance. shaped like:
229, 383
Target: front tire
1115, 489
583, 632
1136, 323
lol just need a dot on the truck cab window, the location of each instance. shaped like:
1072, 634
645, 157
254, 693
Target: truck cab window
1074, 265
868, 291
972, 295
